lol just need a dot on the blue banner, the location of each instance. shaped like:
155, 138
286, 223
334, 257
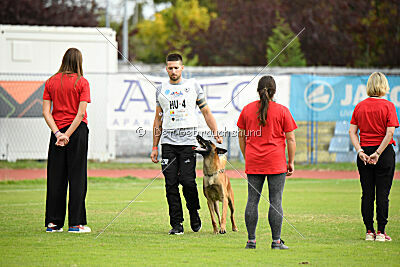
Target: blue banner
333, 98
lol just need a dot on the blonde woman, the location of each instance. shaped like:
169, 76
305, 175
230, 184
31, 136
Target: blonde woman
376, 120
69, 93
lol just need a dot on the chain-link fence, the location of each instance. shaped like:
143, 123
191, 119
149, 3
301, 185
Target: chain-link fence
25, 135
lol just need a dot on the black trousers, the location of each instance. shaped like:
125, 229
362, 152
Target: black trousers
67, 166
179, 167
376, 180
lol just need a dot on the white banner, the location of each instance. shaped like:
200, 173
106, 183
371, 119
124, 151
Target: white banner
131, 99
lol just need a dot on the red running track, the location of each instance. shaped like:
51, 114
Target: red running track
23, 174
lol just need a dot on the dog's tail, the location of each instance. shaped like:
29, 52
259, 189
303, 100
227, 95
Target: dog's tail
222, 161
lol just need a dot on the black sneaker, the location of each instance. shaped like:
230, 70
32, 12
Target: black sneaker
280, 245
251, 245
195, 221
176, 230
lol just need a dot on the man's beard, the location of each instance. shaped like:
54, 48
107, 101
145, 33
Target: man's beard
175, 78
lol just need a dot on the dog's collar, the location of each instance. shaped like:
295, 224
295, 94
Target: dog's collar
215, 173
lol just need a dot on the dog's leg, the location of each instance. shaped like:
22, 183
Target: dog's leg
224, 210
231, 202
212, 213
216, 207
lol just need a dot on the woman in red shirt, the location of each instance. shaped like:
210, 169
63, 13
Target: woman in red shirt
264, 127
376, 119
69, 93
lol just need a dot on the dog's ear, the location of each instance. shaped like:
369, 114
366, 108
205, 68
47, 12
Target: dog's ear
221, 150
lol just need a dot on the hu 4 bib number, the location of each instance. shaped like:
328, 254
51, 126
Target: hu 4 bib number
175, 104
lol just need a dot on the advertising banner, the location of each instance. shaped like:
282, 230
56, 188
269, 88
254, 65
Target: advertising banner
21, 99
132, 103
332, 98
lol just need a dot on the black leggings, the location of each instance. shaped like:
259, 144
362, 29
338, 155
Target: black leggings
376, 180
276, 183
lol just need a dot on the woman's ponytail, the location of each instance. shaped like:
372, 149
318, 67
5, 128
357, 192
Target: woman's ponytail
266, 90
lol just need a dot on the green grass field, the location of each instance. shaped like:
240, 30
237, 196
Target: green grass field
326, 212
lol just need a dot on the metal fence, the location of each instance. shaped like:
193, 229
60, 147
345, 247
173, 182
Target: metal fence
25, 135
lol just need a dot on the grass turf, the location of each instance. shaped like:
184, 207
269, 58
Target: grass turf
326, 212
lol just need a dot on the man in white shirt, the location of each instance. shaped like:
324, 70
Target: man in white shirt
175, 123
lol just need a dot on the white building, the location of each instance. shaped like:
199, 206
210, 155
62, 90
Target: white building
29, 55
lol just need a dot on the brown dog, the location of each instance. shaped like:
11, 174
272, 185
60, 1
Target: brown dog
216, 184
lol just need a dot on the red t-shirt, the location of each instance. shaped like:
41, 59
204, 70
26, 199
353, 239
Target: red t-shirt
372, 116
66, 98
265, 146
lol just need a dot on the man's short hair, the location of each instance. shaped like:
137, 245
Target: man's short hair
377, 84
174, 57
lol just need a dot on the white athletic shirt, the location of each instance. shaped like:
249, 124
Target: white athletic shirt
185, 133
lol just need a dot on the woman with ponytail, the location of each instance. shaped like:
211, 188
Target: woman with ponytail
264, 129
69, 93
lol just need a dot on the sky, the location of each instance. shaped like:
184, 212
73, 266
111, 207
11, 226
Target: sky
116, 8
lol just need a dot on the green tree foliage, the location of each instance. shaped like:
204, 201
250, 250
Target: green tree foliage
379, 40
280, 37
237, 36
337, 32
211, 5
170, 30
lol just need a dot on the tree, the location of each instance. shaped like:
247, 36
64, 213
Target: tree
337, 32
209, 4
237, 36
281, 36
379, 40
82, 13
171, 30
346, 33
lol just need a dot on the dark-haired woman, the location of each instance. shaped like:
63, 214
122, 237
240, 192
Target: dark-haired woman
264, 153
69, 93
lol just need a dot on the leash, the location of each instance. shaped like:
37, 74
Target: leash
266, 200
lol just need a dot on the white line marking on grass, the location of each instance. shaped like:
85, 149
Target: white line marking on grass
21, 190
88, 203
22, 204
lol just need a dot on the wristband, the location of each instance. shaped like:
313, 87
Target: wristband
155, 147
377, 153
56, 133
360, 150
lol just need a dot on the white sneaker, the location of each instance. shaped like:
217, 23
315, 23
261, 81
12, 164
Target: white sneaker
370, 236
380, 237
52, 228
79, 229
387, 238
